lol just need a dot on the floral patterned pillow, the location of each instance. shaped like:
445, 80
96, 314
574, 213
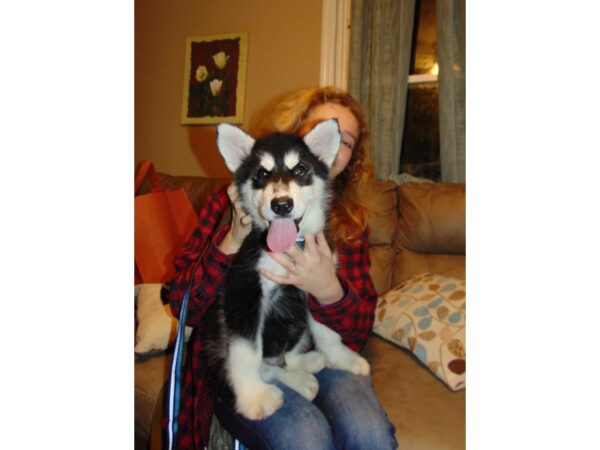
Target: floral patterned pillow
426, 315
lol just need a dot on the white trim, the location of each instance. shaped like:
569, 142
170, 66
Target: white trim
422, 78
335, 43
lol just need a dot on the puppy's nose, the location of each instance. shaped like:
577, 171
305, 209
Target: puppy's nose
282, 205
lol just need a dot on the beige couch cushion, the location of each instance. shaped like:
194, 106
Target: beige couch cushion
408, 264
432, 218
150, 375
427, 415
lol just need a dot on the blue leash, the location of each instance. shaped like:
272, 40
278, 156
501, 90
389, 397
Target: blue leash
175, 380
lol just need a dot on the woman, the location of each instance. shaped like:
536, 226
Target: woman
346, 413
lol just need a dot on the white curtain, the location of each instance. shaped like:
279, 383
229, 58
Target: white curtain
378, 74
450, 23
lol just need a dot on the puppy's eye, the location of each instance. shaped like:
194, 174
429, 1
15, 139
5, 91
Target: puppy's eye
299, 170
262, 174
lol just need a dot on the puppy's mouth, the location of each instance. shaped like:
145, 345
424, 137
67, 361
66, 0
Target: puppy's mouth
282, 234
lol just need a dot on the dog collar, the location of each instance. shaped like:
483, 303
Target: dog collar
300, 242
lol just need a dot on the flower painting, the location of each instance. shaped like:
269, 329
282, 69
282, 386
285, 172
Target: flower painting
215, 74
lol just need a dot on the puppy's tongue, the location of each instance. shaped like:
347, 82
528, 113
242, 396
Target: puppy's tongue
281, 235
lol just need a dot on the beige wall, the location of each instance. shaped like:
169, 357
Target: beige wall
283, 53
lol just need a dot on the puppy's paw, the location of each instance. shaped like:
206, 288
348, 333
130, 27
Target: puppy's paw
360, 366
313, 362
302, 382
345, 359
259, 402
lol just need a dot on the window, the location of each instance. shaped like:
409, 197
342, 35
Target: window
420, 155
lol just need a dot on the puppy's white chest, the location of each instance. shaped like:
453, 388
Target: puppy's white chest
269, 297
270, 265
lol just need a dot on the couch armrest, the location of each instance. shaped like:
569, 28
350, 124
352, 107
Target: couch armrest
383, 203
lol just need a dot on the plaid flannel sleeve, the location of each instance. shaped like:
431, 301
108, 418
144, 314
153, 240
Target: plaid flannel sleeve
352, 316
207, 275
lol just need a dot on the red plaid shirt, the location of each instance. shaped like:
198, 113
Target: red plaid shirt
351, 317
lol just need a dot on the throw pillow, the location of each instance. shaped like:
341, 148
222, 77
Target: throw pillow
156, 326
426, 315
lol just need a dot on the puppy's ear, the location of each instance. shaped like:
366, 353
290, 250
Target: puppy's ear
324, 140
234, 145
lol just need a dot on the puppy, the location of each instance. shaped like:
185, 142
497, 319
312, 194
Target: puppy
258, 331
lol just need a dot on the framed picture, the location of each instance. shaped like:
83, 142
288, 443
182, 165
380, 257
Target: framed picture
215, 79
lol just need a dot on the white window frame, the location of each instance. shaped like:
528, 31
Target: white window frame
422, 78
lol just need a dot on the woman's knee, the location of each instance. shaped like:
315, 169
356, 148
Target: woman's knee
378, 435
355, 415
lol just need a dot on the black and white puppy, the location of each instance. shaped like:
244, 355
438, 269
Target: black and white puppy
258, 331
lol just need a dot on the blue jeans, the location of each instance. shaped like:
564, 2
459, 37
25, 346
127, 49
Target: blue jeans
345, 415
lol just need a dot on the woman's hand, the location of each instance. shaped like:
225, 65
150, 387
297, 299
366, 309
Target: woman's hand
312, 269
241, 224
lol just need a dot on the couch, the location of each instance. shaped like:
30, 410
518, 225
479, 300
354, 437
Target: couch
418, 227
